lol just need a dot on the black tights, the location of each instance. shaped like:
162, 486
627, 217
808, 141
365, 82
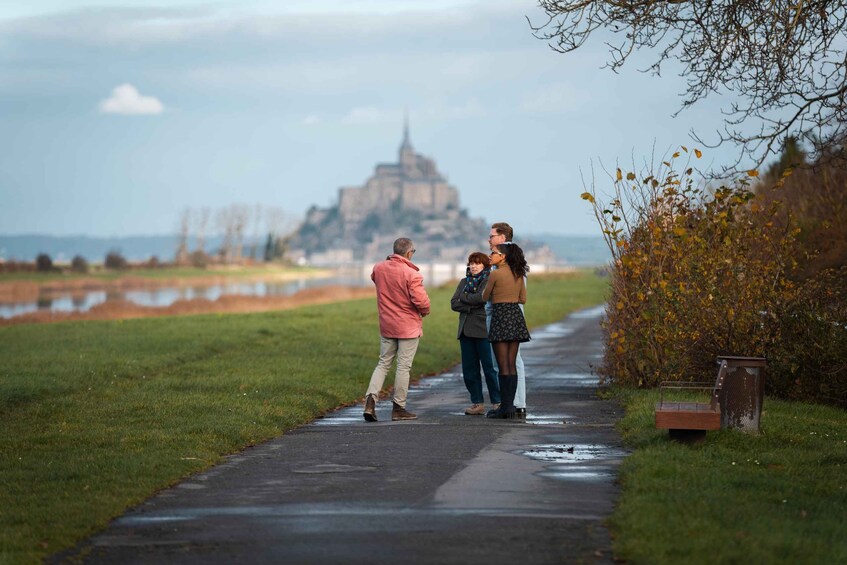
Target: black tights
506, 353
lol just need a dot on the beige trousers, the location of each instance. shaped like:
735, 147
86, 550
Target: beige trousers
389, 348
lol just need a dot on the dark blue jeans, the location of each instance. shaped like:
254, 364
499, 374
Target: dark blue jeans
476, 352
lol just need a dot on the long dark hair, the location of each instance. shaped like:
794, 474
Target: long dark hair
513, 255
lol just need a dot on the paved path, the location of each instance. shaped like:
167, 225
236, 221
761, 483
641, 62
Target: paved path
446, 488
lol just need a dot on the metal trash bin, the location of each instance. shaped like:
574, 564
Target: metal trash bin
743, 393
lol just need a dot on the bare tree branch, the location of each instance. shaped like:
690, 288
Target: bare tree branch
785, 59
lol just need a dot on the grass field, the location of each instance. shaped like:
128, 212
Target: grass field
778, 497
96, 416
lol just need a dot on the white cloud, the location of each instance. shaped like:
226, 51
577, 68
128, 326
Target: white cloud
126, 100
366, 115
311, 120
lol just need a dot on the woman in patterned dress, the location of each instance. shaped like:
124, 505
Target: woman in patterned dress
507, 291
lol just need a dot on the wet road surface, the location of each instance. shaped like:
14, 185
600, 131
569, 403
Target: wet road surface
446, 488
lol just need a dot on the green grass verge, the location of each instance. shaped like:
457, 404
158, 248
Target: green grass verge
96, 416
778, 497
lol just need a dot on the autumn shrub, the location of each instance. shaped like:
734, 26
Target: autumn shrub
814, 199
697, 272
809, 361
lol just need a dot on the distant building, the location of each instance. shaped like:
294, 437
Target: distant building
408, 198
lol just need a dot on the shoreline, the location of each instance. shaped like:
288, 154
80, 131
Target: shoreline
227, 304
29, 290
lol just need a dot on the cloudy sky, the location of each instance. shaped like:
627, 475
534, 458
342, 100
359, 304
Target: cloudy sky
116, 115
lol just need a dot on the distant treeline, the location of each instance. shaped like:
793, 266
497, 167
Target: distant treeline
574, 250
93, 249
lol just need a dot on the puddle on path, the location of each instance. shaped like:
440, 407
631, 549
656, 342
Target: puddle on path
344, 417
567, 453
546, 419
595, 312
561, 329
573, 379
431, 382
578, 472
333, 516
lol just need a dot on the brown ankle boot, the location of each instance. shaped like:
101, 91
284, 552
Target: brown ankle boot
370, 409
400, 413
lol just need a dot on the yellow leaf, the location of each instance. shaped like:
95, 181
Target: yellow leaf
684, 148
619, 175
630, 176
587, 196
698, 153
675, 155
753, 173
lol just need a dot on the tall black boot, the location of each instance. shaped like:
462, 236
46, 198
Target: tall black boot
512, 388
508, 387
514, 391
502, 381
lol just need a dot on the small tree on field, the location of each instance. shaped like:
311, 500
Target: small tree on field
43, 263
79, 264
114, 260
199, 259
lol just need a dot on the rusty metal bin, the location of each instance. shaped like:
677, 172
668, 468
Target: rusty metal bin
743, 393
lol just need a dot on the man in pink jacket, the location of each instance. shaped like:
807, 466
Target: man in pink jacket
402, 303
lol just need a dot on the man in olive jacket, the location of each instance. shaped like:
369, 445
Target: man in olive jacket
402, 303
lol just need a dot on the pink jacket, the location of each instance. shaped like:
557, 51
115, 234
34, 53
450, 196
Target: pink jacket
401, 299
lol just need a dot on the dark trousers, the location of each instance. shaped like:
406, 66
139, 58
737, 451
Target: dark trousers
476, 352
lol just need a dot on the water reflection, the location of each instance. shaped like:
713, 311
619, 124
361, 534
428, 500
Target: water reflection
76, 301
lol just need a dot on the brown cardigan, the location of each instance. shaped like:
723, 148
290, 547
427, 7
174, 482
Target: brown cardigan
504, 287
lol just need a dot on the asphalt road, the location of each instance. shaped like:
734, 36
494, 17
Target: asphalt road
446, 488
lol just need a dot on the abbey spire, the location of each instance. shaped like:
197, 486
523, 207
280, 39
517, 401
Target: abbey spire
407, 158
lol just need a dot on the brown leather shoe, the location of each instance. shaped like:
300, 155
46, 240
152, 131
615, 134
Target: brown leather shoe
370, 409
400, 413
475, 410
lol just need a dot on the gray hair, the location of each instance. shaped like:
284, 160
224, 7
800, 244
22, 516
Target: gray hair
403, 245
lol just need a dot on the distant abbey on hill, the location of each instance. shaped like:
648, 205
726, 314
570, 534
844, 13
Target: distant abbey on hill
409, 198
